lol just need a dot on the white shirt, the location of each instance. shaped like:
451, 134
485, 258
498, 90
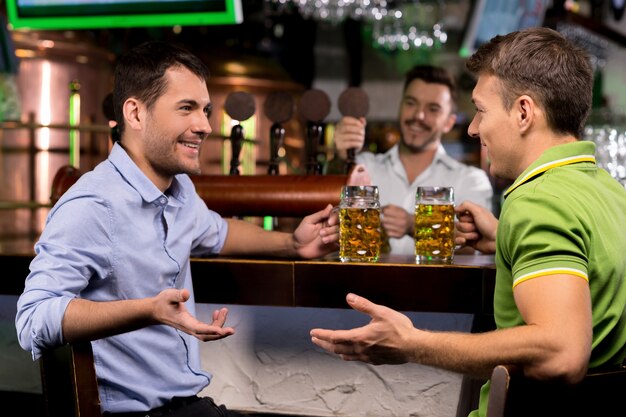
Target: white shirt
387, 172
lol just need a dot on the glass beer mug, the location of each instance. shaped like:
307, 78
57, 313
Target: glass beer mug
359, 224
434, 225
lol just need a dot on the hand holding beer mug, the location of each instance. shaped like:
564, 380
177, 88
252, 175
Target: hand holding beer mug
359, 224
434, 225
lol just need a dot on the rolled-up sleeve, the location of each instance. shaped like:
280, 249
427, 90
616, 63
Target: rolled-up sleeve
61, 270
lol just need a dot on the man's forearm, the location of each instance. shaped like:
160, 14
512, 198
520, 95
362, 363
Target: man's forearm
86, 320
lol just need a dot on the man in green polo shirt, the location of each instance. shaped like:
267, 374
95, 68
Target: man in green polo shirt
560, 296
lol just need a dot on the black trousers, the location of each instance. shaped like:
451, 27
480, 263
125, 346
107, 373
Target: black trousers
184, 407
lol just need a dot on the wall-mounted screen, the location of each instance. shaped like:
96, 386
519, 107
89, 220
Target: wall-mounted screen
96, 14
499, 17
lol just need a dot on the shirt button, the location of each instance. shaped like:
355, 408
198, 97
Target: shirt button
163, 200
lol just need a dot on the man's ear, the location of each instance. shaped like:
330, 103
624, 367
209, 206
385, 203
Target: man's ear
525, 107
449, 123
133, 113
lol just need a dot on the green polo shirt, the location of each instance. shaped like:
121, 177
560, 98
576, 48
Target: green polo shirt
565, 215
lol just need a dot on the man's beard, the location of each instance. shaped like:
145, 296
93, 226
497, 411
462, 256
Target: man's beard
421, 147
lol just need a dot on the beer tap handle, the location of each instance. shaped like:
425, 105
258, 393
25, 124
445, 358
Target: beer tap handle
236, 141
277, 137
315, 136
278, 107
353, 102
350, 160
314, 107
239, 106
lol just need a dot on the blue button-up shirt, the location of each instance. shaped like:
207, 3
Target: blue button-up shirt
115, 236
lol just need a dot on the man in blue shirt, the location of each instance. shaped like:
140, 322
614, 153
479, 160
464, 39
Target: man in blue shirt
112, 264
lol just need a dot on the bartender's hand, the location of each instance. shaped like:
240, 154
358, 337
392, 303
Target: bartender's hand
396, 221
476, 227
359, 176
349, 134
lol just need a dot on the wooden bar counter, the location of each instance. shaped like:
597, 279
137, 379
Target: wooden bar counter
466, 286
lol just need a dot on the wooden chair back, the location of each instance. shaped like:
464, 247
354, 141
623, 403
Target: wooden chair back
599, 394
64, 178
68, 379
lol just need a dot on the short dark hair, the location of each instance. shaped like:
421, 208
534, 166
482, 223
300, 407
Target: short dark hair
543, 64
109, 113
432, 74
107, 107
140, 73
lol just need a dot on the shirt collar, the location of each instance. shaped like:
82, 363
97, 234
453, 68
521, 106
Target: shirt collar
442, 157
393, 155
557, 156
138, 180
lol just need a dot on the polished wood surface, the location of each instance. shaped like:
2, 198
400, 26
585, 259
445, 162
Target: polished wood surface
466, 286
243, 281
269, 195
242, 195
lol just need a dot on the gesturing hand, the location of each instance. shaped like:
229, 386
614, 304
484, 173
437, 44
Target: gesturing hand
169, 308
381, 341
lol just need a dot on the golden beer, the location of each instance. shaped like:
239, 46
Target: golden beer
359, 234
434, 232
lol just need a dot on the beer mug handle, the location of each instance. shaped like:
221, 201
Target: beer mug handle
334, 212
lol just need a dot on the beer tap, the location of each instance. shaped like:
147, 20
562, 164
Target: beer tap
353, 102
314, 107
278, 107
239, 106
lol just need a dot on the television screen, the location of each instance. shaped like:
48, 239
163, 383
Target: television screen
499, 17
95, 14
